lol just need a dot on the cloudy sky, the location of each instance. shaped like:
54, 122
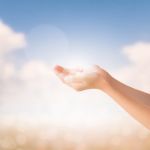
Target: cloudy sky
36, 35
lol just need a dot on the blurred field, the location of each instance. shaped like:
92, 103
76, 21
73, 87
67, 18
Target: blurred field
23, 136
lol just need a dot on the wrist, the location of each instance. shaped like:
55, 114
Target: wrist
105, 81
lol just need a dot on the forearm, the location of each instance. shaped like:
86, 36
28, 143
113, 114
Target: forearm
135, 102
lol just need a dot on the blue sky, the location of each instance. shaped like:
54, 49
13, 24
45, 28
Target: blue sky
106, 25
116, 17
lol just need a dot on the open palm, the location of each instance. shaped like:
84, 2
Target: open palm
80, 78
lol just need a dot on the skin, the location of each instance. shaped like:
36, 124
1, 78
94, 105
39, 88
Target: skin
135, 102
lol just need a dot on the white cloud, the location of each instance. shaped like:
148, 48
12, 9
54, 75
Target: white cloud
137, 71
9, 39
7, 70
138, 53
34, 70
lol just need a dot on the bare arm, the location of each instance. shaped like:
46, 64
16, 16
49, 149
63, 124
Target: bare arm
135, 102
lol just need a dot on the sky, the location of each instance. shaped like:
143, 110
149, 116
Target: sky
35, 35
94, 22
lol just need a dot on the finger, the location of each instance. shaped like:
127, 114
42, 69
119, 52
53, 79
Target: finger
61, 70
58, 69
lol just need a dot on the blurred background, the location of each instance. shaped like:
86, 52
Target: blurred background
37, 111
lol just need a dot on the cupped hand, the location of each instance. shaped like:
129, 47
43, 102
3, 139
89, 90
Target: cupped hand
80, 79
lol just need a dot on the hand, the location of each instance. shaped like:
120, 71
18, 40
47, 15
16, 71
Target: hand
82, 78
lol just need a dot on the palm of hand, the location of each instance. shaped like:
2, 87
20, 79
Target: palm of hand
79, 79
